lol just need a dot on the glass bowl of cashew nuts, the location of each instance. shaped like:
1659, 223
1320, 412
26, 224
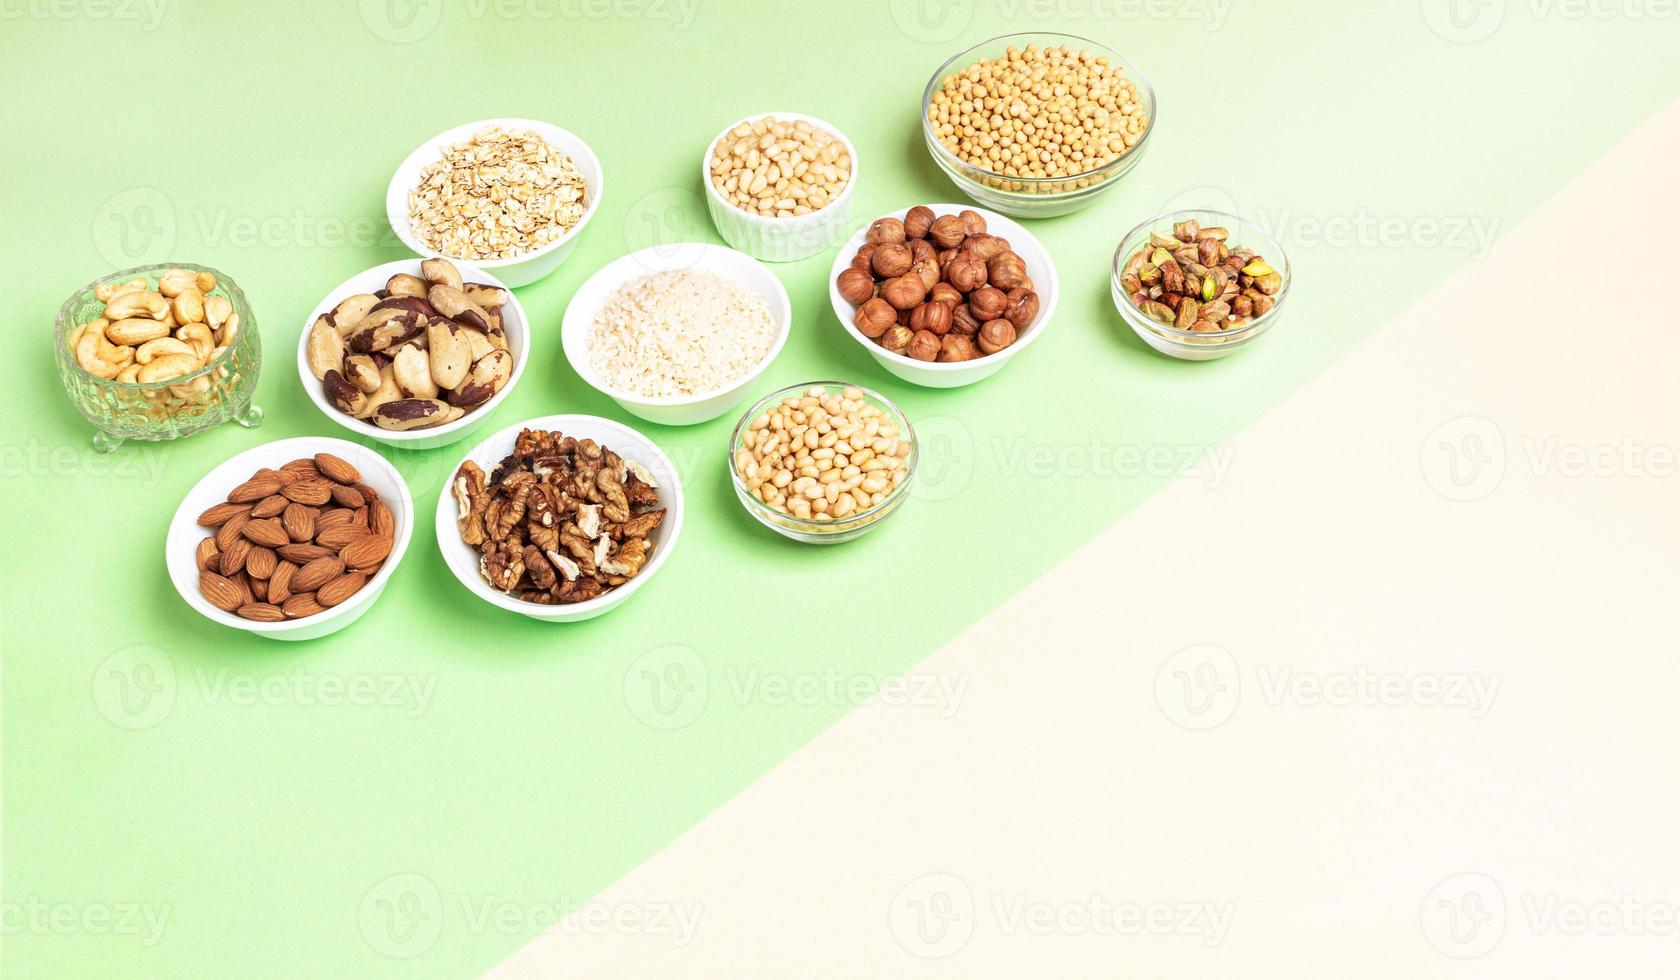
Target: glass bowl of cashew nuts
159, 352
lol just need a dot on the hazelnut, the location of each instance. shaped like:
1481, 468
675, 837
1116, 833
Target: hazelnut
886, 231
855, 285
904, 293
1006, 270
1023, 308
896, 339
964, 321
985, 246
946, 255
874, 317
917, 222
972, 222
943, 292
966, 272
988, 303
935, 318
947, 231
861, 259
920, 249
928, 269
956, 347
924, 346
890, 260
996, 335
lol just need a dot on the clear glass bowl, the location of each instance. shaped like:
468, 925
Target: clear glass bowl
1185, 344
814, 531
1041, 197
220, 391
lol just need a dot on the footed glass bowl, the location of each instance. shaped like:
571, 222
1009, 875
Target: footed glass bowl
221, 391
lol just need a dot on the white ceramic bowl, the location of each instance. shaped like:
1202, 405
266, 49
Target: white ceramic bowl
181, 543
780, 239
724, 262
520, 270
463, 560
934, 374
514, 325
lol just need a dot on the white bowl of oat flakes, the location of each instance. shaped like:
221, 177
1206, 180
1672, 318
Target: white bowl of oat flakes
677, 334
508, 195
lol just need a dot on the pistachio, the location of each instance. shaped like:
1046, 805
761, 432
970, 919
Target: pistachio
1257, 268
1196, 281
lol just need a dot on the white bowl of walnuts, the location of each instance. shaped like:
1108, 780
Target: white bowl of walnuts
416, 353
942, 295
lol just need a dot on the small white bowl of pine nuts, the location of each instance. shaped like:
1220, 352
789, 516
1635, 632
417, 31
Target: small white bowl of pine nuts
822, 462
748, 165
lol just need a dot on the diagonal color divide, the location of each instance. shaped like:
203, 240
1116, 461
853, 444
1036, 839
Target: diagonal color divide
1270, 727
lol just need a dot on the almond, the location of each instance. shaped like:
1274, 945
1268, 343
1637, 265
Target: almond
219, 591
336, 469
280, 583
213, 563
302, 469
341, 588
233, 557
269, 506
254, 489
381, 521
243, 581
338, 537
359, 517
332, 518
315, 574
311, 492
302, 605
259, 587
368, 493
269, 533
261, 612
228, 533
206, 551
261, 563
346, 496
369, 549
299, 521
221, 514
304, 553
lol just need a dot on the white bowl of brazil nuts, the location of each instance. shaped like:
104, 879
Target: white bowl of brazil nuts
726, 263
181, 541
514, 270
779, 239
629, 444
939, 374
514, 325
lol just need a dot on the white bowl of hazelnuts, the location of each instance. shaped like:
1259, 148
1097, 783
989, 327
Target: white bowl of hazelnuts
943, 295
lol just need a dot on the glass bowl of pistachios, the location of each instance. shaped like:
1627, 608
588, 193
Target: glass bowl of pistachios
159, 352
1199, 284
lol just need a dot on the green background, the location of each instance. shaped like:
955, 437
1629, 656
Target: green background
528, 764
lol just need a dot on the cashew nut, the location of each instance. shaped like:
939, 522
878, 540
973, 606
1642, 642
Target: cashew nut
135, 331
217, 309
107, 291
87, 355
199, 336
175, 281
136, 303
129, 375
151, 350
188, 305
228, 331
168, 366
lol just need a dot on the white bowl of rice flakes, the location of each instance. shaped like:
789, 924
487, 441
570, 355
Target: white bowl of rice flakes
508, 195
677, 334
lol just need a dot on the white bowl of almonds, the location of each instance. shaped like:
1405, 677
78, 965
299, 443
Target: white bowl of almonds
292, 540
416, 353
509, 195
779, 185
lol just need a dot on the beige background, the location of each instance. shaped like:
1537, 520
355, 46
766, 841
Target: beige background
1166, 719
